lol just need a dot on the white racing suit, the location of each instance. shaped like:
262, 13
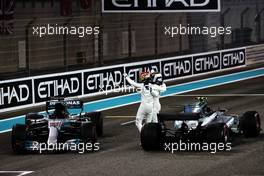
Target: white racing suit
145, 110
54, 127
156, 91
53, 135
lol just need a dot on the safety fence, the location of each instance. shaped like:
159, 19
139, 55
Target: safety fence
122, 38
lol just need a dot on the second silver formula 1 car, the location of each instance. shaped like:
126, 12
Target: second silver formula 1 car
199, 123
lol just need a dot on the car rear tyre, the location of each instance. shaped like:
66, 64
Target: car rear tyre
97, 119
218, 133
151, 136
250, 124
88, 134
18, 138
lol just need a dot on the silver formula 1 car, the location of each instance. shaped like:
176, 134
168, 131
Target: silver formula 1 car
67, 116
199, 123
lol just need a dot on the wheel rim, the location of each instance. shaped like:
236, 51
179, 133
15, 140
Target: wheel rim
258, 125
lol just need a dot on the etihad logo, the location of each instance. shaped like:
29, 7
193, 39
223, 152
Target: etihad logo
160, 6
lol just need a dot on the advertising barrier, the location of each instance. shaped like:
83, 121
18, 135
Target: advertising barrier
22, 93
161, 6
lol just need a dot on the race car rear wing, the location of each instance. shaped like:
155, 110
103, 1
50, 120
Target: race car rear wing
180, 116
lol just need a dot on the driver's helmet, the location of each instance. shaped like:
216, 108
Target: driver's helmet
59, 109
202, 99
157, 78
145, 77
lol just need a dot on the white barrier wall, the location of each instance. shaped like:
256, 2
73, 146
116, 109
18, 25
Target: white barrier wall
22, 93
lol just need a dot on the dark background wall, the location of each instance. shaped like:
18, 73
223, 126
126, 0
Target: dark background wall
123, 38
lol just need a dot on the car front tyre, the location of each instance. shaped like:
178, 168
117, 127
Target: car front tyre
151, 136
250, 124
18, 138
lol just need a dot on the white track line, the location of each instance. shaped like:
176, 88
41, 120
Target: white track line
19, 173
129, 122
5, 131
120, 117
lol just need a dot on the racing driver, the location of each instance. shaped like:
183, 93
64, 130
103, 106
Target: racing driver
158, 86
146, 108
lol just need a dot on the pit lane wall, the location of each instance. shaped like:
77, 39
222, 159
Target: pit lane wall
34, 91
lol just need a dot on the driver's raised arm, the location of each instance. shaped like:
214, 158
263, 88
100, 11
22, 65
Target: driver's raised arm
133, 83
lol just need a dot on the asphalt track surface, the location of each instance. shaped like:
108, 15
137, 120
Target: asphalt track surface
120, 153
